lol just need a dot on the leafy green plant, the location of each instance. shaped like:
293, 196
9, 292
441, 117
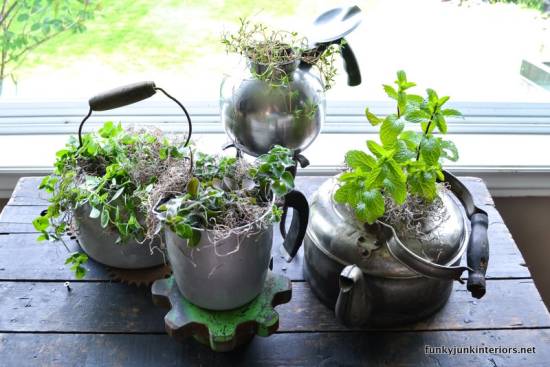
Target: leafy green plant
27, 24
109, 177
405, 162
539, 5
225, 194
271, 52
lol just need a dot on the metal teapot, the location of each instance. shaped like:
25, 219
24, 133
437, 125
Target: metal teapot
377, 277
257, 115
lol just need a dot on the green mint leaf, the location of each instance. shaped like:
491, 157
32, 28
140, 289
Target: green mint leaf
443, 100
450, 112
390, 130
397, 190
430, 150
423, 184
390, 91
402, 102
403, 153
417, 116
415, 99
376, 149
449, 150
441, 123
372, 118
371, 206
432, 96
374, 178
358, 159
401, 77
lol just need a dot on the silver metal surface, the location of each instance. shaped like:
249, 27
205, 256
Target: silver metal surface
257, 116
225, 274
100, 244
336, 239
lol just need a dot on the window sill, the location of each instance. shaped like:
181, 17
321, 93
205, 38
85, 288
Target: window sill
511, 164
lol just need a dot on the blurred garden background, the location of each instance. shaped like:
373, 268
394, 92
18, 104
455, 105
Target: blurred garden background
477, 45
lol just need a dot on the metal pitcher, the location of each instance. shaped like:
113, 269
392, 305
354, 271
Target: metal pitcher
375, 277
257, 116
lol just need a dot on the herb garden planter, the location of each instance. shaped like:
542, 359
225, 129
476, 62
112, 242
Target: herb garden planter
373, 276
386, 238
279, 99
101, 185
228, 273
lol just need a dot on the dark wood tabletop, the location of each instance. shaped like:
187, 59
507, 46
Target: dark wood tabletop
104, 323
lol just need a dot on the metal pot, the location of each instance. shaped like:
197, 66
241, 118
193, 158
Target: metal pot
100, 244
231, 272
375, 276
257, 116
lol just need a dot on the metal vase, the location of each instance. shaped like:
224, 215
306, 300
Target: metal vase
100, 244
224, 274
257, 115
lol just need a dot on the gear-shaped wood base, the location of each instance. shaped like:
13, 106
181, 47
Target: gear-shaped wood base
222, 330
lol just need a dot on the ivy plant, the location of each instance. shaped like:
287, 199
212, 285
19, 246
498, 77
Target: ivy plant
227, 193
404, 161
108, 178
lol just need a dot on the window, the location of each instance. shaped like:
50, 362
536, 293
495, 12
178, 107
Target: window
491, 56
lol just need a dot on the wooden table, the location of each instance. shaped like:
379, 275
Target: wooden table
104, 323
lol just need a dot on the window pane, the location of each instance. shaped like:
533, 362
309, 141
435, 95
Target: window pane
471, 50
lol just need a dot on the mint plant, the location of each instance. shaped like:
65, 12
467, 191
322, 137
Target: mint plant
110, 176
224, 194
404, 162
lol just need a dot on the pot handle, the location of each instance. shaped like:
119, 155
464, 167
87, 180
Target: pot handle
353, 306
478, 246
126, 95
350, 64
300, 216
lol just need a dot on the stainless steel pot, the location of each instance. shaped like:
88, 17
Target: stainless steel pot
100, 244
231, 272
257, 116
375, 276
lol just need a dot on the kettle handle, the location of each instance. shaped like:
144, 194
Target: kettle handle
350, 64
126, 95
478, 246
298, 226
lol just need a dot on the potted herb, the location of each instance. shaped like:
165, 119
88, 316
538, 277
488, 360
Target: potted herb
278, 100
386, 236
102, 188
219, 229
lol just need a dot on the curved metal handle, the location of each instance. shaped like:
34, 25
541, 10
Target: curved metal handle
293, 239
350, 65
478, 255
353, 306
126, 95
478, 245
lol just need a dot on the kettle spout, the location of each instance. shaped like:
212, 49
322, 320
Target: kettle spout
354, 304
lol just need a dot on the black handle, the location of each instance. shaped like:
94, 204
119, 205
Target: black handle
351, 65
300, 216
350, 62
122, 96
126, 95
478, 254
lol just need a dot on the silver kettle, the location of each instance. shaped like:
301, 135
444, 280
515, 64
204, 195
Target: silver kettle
374, 276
